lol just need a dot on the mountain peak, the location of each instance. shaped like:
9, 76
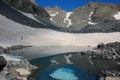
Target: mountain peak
56, 7
89, 14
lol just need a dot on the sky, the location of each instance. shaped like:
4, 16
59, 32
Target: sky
69, 5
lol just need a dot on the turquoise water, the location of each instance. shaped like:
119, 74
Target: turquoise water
81, 69
67, 72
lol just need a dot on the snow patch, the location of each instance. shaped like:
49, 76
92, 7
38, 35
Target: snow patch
117, 15
91, 15
54, 61
29, 15
67, 19
51, 19
11, 57
89, 22
55, 14
68, 58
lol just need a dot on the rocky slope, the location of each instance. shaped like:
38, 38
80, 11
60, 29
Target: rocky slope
89, 14
14, 67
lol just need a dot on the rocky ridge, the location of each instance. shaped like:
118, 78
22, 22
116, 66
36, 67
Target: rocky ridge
93, 13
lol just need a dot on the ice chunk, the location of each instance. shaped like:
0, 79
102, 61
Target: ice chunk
64, 74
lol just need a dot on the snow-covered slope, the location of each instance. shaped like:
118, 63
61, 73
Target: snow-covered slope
11, 33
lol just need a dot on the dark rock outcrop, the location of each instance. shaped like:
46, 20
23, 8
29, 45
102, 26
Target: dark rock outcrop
17, 47
3, 62
106, 26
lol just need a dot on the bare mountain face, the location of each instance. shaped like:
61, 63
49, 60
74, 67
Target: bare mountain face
90, 14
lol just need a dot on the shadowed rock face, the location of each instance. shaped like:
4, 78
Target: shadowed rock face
28, 6
3, 63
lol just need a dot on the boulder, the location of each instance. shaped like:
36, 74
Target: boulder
3, 62
23, 72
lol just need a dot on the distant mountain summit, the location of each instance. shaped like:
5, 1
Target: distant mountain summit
89, 14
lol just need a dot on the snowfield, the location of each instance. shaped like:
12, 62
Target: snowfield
12, 33
117, 15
